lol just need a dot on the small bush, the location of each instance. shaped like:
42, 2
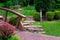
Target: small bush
28, 12
36, 16
50, 16
57, 15
29, 8
1, 4
14, 20
14, 37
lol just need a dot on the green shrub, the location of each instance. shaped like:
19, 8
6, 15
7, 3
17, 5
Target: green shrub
28, 12
14, 20
29, 8
8, 4
50, 16
57, 15
15, 37
36, 16
1, 4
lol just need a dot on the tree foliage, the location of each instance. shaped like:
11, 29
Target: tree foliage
44, 5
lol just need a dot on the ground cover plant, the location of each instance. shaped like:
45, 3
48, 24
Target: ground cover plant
14, 37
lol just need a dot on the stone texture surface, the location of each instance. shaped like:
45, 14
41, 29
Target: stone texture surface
33, 36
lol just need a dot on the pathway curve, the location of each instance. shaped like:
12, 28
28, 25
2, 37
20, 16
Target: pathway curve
33, 36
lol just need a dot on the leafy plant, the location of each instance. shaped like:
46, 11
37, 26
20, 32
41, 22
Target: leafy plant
13, 20
1, 4
44, 5
14, 37
8, 4
57, 14
36, 16
50, 16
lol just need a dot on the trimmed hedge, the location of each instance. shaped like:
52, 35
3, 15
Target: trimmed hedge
57, 15
50, 16
36, 16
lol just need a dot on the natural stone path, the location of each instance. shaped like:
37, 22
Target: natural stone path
33, 36
28, 25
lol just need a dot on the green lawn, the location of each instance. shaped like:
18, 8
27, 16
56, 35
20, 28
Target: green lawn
28, 10
51, 27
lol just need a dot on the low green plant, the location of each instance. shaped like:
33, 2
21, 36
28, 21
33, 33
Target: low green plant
28, 12
1, 4
57, 15
36, 16
14, 37
14, 20
50, 16
29, 8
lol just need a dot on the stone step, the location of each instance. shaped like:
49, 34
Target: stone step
32, 26
36, 30
42, 32
30, 17
29, 21
25, 23
39, 32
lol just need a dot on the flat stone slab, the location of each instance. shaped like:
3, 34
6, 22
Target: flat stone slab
34, 36
30, 26
34, 29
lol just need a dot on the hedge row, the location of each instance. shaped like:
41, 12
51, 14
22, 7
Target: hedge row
49, 15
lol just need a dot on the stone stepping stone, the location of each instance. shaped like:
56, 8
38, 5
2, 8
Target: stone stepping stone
25, 24
31, 26
29, 21
36, 29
